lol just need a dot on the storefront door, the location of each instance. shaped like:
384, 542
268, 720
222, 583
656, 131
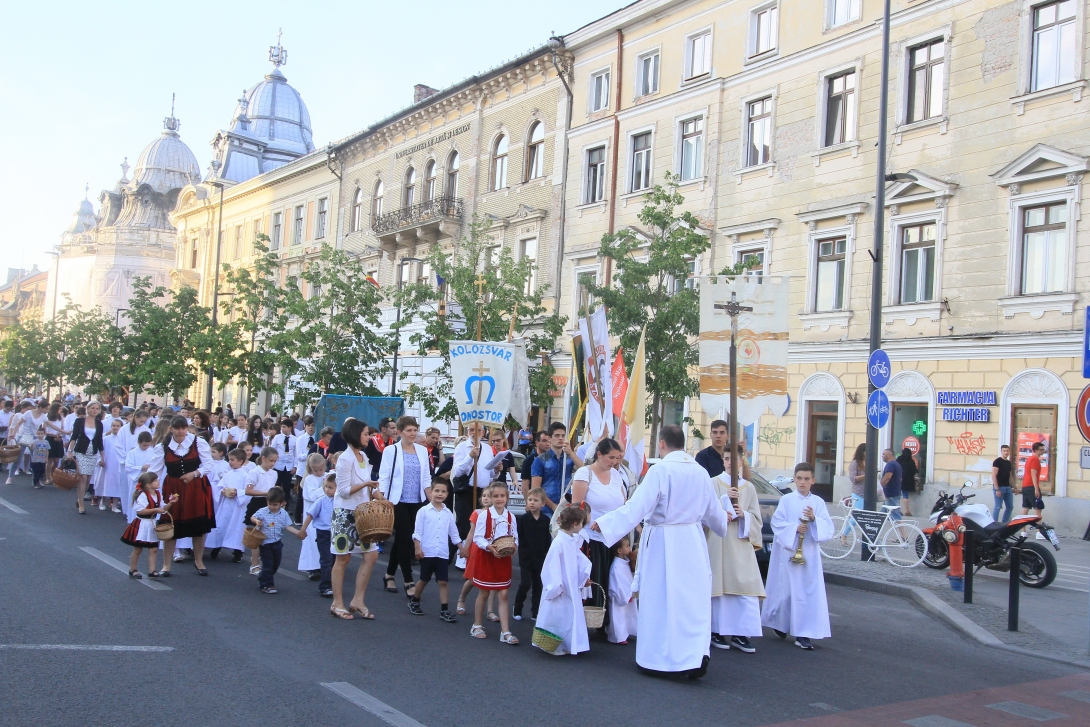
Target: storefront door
1030, 424
909, 429
822, 446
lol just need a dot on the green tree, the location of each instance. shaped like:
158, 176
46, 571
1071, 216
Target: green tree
338, 346
648, 288
507, 295
31, 353
92, 344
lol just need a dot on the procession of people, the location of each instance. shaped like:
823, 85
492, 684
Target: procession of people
668, 560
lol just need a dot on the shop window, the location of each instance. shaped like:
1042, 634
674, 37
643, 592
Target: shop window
908, 426
822, 447
1031, 424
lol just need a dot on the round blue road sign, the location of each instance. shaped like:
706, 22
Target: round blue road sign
878, 409
878, 369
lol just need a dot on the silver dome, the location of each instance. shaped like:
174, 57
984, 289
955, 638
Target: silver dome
84, 220
166, 163
275, 114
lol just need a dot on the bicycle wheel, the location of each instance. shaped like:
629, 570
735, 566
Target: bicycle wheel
904, 545
843, 543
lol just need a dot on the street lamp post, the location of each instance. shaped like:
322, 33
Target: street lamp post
215, 282
56, 280
397, 323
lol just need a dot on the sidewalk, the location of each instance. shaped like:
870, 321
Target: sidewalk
1053, 620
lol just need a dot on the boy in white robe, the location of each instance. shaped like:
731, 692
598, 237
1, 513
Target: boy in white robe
111, 470
563, 579
623, 611
136, 464
214, 540
796, 603
229, 497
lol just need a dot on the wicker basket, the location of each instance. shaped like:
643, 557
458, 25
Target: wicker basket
165, 531
546, 640
9, 453
374, 521
253, 538
66, 476
595, 615
504, 546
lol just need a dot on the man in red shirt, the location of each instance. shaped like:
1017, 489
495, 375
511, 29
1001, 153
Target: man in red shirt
1031, 482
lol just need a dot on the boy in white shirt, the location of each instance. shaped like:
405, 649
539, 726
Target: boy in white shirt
434, 526
259, 481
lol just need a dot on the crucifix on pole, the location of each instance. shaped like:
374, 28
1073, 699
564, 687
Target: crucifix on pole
733, 309
479, 283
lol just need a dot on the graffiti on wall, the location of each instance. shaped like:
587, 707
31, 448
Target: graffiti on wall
966, 443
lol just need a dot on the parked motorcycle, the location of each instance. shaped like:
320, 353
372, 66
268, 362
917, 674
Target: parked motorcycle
951, 517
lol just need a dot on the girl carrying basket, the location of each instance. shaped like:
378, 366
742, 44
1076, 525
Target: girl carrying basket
147, 504
491, 569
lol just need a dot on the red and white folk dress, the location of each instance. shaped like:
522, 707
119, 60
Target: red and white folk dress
193, 513
489, 572
141, 531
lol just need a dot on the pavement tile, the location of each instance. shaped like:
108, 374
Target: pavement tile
1080, 696
1018, 709
936, 721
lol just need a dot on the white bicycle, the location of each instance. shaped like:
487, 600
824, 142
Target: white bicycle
901, 543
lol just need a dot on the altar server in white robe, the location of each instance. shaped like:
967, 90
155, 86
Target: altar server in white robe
214, 540
563, 577
737, 588
675, 579
111, 470
229, 496
313, 480
623, 612
136, 464
796, 603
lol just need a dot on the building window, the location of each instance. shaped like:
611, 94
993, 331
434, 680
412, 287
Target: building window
499, 163
297, 229
599, 91
926, 71
238, 241
323, 213
754, 255
764, 28
357, 211
918, 263
1054, 52
277, 231
535, 152
452, 174
596, 175
528, 251
759, 131
492, 256
831, 270
647, 74
698, 54
376, 201
429, 180
196, 249
1044, 243
840, 121
257, 231
424, 278
409, 189
843, 11
692, 148
641, 161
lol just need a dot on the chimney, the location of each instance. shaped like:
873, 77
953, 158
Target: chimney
421, 92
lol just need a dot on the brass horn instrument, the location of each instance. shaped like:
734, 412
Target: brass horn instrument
797, 557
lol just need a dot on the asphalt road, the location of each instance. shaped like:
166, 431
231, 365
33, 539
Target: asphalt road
230, 655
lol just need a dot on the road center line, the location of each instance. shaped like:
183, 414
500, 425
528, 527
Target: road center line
381, 710
83, 647
14, 508
114, 563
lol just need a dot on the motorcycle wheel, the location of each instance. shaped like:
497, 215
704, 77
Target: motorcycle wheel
1038, 566
938, 554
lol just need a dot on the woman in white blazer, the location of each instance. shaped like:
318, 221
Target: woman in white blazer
404, 476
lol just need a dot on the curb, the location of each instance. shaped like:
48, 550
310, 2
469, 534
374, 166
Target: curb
927, 601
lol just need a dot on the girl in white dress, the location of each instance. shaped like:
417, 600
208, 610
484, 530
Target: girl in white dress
312, 492
214, 539
563, 585
148, 505
136, 464
111, 469
623, 611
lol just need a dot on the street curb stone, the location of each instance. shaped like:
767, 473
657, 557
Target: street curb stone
930, 603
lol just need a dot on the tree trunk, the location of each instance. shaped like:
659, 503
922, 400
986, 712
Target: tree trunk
656, 415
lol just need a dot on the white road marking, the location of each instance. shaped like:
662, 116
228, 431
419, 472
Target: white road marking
381, 710
114, 563
83, 647
14, 508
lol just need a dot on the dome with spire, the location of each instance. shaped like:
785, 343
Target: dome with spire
84, 219
166, 163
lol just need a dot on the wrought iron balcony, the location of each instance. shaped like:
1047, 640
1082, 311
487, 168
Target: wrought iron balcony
432, 212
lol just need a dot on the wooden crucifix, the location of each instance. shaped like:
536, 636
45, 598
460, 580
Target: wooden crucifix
733, 309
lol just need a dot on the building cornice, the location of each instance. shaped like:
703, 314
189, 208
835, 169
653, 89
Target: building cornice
1048, 344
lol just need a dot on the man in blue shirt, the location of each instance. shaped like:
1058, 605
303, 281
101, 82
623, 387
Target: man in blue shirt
553, 470
891, 482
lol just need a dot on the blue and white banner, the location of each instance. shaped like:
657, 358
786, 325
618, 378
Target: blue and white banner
483, 375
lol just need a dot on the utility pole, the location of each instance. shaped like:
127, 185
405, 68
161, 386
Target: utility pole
215, 284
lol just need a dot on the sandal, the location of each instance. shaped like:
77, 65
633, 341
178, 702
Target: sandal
365, 613
461, 608
410, 589
389, 584
135, 574
509, 638
340, 613
493, 617
477, 632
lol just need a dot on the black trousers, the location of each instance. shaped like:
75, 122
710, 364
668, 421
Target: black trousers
601, 561
325, 558
271, 554
529, 582
463, 508
404, 550
283, 481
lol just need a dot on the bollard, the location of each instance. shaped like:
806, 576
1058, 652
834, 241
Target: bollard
967, 550
1012, 596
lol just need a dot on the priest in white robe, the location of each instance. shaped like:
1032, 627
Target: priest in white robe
674, 501
795, 603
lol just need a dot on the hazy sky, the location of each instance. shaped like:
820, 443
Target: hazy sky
85, 85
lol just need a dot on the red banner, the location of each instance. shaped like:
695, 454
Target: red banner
620, 384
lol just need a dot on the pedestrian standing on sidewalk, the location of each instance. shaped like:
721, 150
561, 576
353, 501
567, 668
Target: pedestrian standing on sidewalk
856, 474
891, 483
1031, 483
909, 470
1001, 484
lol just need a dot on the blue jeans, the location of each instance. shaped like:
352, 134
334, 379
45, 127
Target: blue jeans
1004, 498
894, 502
270, 563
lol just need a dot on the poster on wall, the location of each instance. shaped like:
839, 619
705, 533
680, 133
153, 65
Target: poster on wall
1026, 440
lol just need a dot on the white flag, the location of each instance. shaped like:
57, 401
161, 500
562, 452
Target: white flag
599, 384
520, 394
482, 375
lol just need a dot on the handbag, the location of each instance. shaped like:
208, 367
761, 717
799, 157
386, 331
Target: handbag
24, 439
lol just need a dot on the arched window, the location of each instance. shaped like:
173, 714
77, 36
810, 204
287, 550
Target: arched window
452, 175
499, 163
357, 211
376, 202
429, 181
410, 187
535, 152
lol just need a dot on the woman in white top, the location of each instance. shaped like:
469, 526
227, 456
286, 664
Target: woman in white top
599, 484
405, 478
354, 488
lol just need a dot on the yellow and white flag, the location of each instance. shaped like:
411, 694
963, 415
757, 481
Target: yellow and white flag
635, 408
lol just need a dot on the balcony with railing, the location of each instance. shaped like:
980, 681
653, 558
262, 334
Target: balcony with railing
426, 219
